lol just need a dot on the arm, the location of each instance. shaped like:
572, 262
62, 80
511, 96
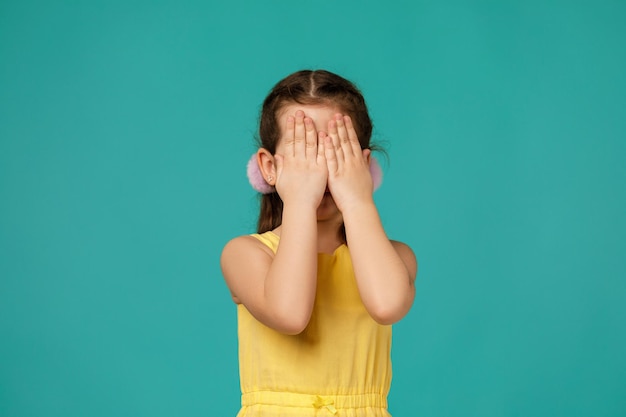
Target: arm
279, 290
385, 270
386, 280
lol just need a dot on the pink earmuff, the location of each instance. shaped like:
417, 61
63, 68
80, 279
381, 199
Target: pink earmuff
256, 178
259, 184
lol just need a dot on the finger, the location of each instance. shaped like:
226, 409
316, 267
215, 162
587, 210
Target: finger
289, 134
334, 135
310, 137
342, 133
320, 148
329, 153
299, 135
354, 139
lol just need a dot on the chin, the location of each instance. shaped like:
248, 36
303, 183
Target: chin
327, 208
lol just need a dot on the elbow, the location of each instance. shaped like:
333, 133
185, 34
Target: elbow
386, 316
292, 323
285, 322
387, 312
289, 316
292, 327
292, 330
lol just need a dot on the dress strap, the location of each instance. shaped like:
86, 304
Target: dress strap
269, 239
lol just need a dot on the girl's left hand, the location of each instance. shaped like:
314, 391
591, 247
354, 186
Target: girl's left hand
349, 179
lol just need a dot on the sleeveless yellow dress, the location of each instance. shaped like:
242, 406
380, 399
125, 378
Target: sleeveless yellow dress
339, 365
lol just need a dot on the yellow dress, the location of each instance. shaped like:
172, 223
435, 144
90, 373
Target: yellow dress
339, 365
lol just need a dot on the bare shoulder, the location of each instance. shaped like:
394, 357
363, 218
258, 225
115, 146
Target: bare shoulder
407, 255
244, 245
243, 259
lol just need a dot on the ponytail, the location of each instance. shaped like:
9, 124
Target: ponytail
271, 212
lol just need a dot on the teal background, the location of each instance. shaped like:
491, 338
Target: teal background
124, 130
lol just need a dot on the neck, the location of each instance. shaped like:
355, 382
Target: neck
328, 237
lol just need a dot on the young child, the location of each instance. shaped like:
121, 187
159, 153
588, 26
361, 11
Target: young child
319, 286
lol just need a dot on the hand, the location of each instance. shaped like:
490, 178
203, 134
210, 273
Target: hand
301, 170
349, 179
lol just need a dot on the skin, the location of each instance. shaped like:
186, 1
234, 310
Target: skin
322, 176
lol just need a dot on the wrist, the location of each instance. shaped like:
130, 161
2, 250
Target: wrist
300, 208
356, 206
361, 218
304, 201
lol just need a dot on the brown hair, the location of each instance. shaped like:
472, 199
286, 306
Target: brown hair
309, 88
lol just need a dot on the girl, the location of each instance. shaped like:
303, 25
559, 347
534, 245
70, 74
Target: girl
319, 285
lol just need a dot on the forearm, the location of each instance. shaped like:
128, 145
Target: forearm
385, 282
291, 280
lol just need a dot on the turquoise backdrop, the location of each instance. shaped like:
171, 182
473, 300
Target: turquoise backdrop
125, 127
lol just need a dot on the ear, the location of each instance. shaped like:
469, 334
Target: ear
367, 153
267, 165
375, 170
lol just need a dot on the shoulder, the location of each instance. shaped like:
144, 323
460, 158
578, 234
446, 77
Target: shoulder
400, 246
244, 245
407, 255
240, 260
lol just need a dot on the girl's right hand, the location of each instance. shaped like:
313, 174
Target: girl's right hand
301, 170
